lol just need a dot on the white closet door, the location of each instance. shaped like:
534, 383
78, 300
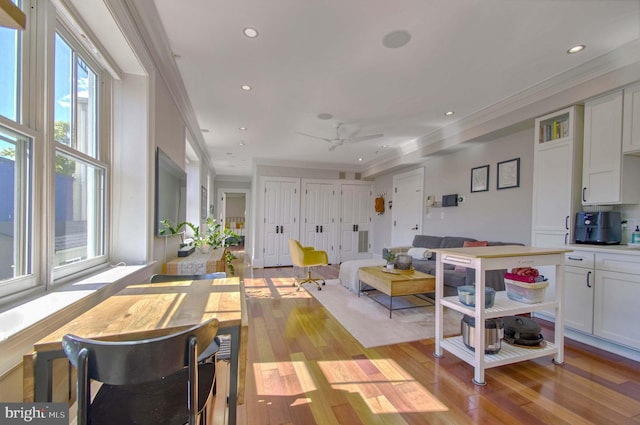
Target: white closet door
319, 221
281, 209
356, 206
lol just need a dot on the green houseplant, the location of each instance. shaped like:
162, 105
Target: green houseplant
390, 257
215, 235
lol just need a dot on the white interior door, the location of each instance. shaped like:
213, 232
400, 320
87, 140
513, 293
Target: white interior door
407, 207
281, 209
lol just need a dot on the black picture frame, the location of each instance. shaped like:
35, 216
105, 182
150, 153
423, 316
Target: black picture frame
508, 175
203, 203
480, 179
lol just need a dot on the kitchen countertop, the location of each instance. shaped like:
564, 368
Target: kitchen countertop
613, 249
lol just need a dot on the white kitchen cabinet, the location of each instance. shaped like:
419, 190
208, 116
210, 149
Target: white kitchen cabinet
557, 172
579, 276
616, 307
631, 120
608, 177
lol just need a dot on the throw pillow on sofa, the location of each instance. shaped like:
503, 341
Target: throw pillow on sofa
419, 253
470, 244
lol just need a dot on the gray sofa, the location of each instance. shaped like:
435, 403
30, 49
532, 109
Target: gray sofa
452, 278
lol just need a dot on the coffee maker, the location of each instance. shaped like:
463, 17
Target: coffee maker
601, 228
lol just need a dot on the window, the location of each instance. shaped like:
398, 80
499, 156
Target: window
9, 72
15, 210
79, 172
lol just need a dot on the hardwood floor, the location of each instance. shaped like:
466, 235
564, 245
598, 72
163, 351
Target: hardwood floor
305, 368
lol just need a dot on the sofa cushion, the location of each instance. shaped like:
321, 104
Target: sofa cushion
454, 241
419, 253
426, 241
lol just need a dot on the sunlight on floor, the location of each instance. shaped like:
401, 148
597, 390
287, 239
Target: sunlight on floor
366, 377
383, 385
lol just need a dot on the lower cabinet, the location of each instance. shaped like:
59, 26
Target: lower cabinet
601, 295
616, 307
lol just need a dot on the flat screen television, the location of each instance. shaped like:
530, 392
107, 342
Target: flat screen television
171, 191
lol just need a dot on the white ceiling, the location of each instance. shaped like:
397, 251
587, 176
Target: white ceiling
327, 56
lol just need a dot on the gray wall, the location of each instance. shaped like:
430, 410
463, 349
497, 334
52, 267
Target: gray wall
496, 215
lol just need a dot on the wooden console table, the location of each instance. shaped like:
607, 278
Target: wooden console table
197, 263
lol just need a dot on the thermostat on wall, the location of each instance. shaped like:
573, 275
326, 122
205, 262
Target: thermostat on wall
450, 200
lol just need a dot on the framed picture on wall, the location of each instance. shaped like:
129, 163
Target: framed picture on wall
480, 179
509, 174
203, 203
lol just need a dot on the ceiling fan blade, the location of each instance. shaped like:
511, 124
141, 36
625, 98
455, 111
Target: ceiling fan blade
314, 137
363, 138
335, 145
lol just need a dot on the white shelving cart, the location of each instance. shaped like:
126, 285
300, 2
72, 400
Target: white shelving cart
494, 258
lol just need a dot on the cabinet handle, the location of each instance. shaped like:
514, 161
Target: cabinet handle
566, 223
321, 231
566, 235
584, 189
317, 228
588, 282
357, 227
575, 259
281, 229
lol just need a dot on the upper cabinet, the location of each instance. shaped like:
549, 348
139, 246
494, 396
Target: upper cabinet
608, 176
631, 120
557, 170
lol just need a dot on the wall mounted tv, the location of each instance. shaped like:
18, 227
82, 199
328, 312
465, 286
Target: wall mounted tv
171, 191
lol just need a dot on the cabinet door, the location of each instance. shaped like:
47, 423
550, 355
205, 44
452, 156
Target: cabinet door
578, 300
631, 120
552, 188
602, 160
616, 307
281, 209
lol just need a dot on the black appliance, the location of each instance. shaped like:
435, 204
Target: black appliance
602, 227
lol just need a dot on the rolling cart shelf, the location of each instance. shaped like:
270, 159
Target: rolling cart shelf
503, 306
487, 258
508, 353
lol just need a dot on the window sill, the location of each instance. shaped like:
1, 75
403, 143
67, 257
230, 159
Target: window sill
25, 323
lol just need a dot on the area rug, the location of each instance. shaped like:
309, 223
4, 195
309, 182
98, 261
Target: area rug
369, 322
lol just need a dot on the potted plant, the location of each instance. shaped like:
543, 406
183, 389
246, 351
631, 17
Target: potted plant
213, 236
390, 257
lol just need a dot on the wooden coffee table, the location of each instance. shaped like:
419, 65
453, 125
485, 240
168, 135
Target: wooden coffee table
396, 283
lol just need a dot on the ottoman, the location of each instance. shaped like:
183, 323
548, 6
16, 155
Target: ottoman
348, 274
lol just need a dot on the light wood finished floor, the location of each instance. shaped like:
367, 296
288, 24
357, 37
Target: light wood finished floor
304, 368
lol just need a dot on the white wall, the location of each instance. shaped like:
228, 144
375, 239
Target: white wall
496, 215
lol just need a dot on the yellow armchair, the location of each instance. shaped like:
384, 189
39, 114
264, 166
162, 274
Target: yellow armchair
307, 256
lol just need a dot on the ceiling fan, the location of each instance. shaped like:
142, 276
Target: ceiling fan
339, 141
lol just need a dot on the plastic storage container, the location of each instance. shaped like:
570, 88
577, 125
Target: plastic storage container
530, 293
467, 296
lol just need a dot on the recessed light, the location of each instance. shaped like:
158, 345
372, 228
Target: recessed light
245, 87
243, 128
449, 113
396, 39
360, 159
324, 116
250, 32
242, 143
576, 49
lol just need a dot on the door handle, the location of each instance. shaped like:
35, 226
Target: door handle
317, 227
588, 283
321, 229
415, 228
281, 229
357, 226
277, 229
566, 223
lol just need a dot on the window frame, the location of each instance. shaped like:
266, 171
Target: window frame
60, 274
